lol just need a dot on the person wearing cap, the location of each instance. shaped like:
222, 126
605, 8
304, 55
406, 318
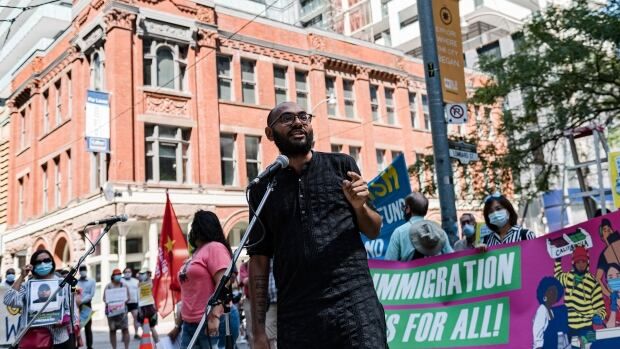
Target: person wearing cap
87, 286
148, 310
9, 277
400, 247
311, 228
117, 322
468, 230
584, 297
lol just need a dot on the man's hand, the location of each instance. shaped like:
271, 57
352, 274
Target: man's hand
355, 190
260, 341
25, 271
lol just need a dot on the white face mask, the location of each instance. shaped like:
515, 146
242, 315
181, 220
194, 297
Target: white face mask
499, 218
83, 273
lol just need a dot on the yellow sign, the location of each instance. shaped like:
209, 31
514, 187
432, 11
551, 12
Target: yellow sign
614, 172
450, 50
146, 294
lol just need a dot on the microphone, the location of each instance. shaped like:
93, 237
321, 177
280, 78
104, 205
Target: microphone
111, 220
281, 162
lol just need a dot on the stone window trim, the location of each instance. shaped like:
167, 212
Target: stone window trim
180, 63
99, 55
182, 143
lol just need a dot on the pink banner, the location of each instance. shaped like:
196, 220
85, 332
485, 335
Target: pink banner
551, 292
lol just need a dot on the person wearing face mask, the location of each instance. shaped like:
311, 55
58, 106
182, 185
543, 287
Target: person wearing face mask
613, 283
468, 228
9, 277
611, 253
400, 247
42, 266
501, 217
117, 322
147, 310
584, 298
87, 286
132, 306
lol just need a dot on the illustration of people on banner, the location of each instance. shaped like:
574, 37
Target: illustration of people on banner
564, 287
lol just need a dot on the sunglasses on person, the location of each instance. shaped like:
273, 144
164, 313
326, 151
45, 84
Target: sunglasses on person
495, 195
46, 260
288, 119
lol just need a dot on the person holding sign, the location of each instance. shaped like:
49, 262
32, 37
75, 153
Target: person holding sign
115, 297
132, 306
87, 286
146, 302
501, 217
9, 277
55, 318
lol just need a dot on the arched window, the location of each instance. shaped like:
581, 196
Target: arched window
165, 67
235, 234
97, 71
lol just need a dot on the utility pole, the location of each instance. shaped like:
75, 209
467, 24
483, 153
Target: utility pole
439, 128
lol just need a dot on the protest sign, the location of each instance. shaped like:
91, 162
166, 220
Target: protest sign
387, 194
145, 294
500, 298
9, 321
38, 291
115, 299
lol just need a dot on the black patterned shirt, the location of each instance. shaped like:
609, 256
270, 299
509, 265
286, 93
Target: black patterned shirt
515, 234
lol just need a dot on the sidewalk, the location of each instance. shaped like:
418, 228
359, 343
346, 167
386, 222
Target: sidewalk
101, 338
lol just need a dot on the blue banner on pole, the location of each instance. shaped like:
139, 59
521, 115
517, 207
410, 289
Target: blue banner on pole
387, 193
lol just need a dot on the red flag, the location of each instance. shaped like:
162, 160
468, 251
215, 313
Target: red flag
172, 254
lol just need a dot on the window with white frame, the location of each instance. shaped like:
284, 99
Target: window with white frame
380, 154
69, 95
330, 88
165, 64
374, 102
167, 153
336, 148
229, 163
58, 85
301, 87
57, 183
252, 156
97, 69
395, 154
389, 106
22, 128
99, 166
46, 111
45, 198
279, 81
69, 176
248, 81
349, 98
356, 153
413, 109
224, 78
425, 111
21, 199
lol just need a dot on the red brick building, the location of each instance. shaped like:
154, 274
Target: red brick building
188, 105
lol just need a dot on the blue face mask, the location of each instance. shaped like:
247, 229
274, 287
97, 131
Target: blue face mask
614, 284
117, 278
10, 278
469, 230
499, 218
43, 269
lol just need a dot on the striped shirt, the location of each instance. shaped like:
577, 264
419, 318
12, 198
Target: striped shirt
17, 299
513, 235
583, 300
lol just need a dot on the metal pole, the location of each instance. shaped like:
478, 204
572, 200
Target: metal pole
439, 129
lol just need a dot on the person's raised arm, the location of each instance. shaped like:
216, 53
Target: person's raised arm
259, 284
356, 192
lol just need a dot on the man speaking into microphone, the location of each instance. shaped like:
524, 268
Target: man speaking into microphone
311, 222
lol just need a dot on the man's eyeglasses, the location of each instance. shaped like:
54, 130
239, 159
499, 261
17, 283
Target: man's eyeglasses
288, 119
495, 195
46, 260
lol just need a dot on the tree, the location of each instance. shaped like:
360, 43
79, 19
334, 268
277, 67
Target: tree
567, 70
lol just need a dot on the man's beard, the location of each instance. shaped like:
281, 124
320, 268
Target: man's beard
291, 149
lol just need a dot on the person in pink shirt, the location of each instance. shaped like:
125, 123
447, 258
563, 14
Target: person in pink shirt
199, 277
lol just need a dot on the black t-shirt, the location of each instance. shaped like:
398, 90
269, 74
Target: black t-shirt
313, 236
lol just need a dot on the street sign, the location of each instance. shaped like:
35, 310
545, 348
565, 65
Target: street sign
447, 22
463, 152
456, 113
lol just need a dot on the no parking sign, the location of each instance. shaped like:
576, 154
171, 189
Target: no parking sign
456, 113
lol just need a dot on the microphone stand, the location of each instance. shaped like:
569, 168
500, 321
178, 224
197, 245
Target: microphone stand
222, 293
68, 279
